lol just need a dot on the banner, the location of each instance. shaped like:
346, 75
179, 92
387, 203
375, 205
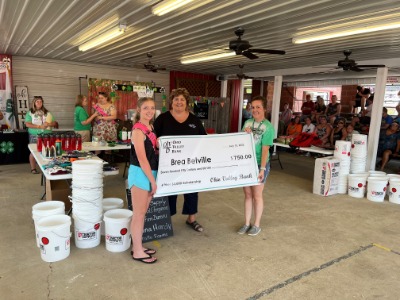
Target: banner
6, 103
191, 164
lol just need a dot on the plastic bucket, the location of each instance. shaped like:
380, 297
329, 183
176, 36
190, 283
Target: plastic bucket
357, 184
377, 173
342, 150
118, 233
45, 209
87, 231
376, 188
394, 190
54, 236
109, 204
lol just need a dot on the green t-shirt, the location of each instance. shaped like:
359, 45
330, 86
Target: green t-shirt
263, 134
79, 116
37, 119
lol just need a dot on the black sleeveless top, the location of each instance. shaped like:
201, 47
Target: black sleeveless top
151, 155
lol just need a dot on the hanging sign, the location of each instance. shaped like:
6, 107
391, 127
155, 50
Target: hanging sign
201, 110
190, 164
22, 98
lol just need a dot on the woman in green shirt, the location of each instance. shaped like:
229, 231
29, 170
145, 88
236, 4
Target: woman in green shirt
38, 120
81, 118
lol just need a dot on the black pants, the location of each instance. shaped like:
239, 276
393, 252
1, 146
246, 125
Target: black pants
189, 205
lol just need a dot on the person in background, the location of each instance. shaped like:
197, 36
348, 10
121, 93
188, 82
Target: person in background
386, 119
308, 127
339, 132
38, 120
388, 143
323, 131
319, 109
246, 114
104, 126
350, 131
1, 115
81, 118
179, 121
263, 134
284, 119
355, 123
366, 113
294, 127
360, 99
333, 110
142, 175
397, 118
307, 108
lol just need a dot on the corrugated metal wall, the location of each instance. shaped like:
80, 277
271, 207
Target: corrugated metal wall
58, 82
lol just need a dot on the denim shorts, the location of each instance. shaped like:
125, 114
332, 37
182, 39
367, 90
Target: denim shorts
266, 173
136, 177
32, 139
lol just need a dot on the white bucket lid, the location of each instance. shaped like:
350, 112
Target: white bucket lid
117, 215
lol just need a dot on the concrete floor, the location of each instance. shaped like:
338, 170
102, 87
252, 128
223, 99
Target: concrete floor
310, 247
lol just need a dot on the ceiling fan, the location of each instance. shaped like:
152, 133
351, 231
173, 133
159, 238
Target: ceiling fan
149, 66
240, 75
350, 64
242, 47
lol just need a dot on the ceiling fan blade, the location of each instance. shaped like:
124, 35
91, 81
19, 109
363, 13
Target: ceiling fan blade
371, 66
356, 69
249, 55
281, 52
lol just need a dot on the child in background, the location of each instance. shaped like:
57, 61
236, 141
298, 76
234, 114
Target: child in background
142, 175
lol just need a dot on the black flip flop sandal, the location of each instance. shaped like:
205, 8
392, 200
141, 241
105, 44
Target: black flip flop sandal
148, 251
195, 225
143, 259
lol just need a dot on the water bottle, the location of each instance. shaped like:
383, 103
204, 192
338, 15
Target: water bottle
78, 142
46, 141
67, 144
39, 143
73, 142
62, 142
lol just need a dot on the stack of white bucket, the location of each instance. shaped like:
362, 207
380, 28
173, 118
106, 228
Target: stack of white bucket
52, 228
358, 153
342, 153
394, 188
87, 197
357, 180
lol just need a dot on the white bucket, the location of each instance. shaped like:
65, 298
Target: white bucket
54, 236
342, 150
394, 190
87, 231
357, 185
377, 173
109, 204
376, 188
118, 233
45, 209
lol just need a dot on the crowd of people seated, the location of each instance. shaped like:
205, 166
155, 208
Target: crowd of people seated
326, 122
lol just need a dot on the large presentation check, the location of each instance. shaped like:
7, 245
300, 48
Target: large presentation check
205, 162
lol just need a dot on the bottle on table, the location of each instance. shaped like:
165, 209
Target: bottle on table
67, 142
39, 143
78, 142
72, 142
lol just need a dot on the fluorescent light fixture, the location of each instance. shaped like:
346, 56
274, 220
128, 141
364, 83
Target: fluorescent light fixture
342, 27
206, 56
166, 6
102, 38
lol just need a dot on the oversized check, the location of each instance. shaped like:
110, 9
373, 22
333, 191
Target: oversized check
205, 162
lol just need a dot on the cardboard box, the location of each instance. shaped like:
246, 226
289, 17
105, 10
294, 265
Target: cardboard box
59, 190
326, 176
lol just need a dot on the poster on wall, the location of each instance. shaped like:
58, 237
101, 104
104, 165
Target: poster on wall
201, 110
22, 99
6, 103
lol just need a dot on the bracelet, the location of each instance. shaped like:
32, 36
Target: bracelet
262, 169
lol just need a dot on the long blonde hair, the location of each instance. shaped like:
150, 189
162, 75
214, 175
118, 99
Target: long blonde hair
139, 105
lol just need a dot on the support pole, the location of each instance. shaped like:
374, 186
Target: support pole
276, 100
376, 117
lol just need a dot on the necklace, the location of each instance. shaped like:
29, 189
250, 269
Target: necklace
259, 125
